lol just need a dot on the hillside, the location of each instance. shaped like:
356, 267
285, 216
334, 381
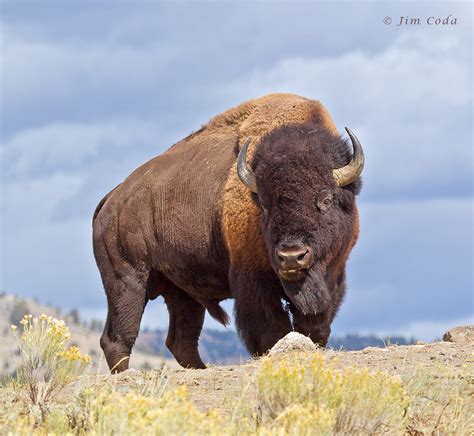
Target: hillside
12, 309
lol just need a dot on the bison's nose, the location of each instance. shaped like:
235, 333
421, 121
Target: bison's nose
294, 258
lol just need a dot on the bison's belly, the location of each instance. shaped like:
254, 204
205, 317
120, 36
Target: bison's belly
203, 281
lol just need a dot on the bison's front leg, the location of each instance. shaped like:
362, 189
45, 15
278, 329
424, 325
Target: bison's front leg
316, 327
260, 318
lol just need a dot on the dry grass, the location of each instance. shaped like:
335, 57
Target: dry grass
442, 400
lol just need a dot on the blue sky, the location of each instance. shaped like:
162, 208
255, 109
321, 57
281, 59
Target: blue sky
90, 90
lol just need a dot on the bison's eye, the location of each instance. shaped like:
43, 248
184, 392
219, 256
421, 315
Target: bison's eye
324, 202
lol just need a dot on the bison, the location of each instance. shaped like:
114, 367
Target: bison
258, 205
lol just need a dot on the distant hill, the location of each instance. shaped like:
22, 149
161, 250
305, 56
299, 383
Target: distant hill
225, 347
215, 346
354, 342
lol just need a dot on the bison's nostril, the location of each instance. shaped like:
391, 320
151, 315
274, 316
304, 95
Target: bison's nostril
302, 256
293, 257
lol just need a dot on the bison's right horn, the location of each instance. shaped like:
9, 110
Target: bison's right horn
348, 174
245, 173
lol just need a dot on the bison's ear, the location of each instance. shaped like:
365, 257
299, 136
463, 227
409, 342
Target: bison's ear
357, 186
346, 196
345, 199
354, 187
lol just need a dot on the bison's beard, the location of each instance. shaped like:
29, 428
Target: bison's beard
310, 295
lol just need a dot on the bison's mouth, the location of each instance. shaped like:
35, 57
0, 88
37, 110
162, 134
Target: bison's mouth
292, 275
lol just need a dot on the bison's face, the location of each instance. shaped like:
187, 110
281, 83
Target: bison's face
308, 214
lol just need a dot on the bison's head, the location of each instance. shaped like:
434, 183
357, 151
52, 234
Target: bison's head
305, 179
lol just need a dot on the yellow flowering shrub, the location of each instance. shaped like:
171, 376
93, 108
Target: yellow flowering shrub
300, 420
131, 413
300, 391
46, 364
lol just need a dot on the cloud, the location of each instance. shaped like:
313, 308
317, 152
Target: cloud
161, 59
408, 104
77, 81
62, 170
52, 262
69, 146
411, 264
429, 331
32, 202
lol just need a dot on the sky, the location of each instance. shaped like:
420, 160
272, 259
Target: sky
91, 90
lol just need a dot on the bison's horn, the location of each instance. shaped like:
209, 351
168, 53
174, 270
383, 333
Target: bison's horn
348, 174
246, 175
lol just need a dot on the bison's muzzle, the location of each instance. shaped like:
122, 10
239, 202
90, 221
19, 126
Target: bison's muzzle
293, 261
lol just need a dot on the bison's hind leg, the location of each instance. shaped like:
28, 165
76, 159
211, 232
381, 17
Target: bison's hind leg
186, 320
127, 298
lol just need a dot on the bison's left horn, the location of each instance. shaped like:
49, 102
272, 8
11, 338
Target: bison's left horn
348, 174
245, 173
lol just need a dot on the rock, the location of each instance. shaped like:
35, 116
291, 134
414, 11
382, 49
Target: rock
460, 335
373, 349
293, 342
421, 343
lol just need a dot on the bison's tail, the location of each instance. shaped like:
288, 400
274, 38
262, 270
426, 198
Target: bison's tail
99, 207
101, 203
216, 311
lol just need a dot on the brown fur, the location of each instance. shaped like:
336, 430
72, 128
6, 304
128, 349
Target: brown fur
183, 226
